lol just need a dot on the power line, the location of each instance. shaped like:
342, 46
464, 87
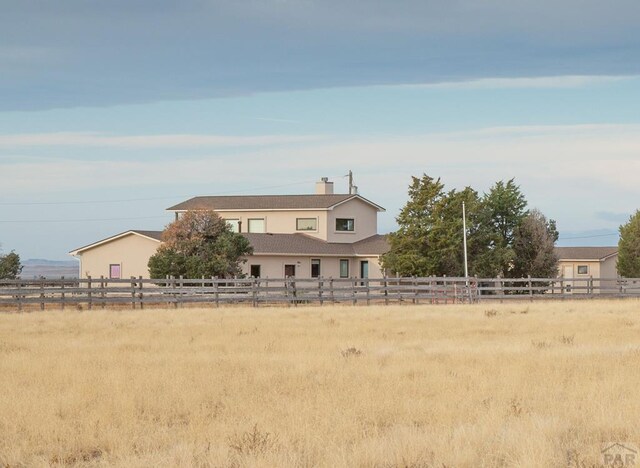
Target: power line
78, 220
129, 200
589, 237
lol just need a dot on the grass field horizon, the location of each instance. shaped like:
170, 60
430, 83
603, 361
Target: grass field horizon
493, 385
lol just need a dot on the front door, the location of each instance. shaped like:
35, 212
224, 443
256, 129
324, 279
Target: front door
364, 269
289, 271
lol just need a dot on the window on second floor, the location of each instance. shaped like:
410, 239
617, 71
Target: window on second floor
345, 224
306, 224
256, 225
234, 224
583, 269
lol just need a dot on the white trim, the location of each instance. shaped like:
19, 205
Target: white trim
109, 239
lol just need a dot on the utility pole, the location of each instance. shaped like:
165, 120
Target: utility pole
464, 228
352, 188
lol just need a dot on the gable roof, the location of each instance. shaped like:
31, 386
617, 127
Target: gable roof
268, 202
586, 253
302, 244
153, 235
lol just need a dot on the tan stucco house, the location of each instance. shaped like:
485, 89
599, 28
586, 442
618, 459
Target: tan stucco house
322, 234
583, 263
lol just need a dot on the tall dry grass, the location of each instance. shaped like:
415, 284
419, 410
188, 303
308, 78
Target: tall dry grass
448, 386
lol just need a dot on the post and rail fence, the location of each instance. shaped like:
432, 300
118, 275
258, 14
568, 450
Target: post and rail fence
140, 292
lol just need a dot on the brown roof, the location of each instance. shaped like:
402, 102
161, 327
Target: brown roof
266, 202
585, 253
157, 235
377, 244
301, 244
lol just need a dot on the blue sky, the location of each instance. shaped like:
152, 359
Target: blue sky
112, 111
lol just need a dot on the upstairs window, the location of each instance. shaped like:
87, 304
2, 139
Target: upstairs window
306, 224
583, 269
256, 224
234, 224
345, 224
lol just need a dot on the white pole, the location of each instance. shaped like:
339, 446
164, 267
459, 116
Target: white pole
464, 228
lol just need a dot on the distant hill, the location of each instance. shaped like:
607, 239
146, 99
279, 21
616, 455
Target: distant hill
51, 269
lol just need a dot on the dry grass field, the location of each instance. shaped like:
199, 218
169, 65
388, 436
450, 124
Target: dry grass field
531, 385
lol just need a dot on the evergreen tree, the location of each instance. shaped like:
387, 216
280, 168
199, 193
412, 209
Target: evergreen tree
629, 248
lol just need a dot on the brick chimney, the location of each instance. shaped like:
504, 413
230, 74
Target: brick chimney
324, 187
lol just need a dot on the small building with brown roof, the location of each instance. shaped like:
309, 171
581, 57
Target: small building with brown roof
580, 264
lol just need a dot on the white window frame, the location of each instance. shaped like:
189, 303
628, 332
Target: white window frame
234, 224
353, 225
314, 229
264, 225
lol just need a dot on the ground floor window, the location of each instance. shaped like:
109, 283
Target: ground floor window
583, 269
255, 271
315, 267
289, 271
115, 271
344, 268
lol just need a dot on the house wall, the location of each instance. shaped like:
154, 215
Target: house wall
596, 269
366, 221
274, 266
281, 222
131, 252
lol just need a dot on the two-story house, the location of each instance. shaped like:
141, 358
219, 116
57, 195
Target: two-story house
323, 234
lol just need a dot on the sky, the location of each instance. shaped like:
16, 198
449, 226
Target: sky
110, 112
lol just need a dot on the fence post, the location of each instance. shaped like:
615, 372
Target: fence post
320, 286
62, 293
294, 293
415, 290
367, 285
254, 291
141, 294
180, 293
41, 294
19, 296
386, 291
500, 288
216, 293
102, 294
89, 297
530, 288
331, 294
354, 285
133, 292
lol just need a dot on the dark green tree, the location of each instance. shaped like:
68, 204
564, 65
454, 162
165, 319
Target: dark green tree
430, 235
10, 267
534, 247
503, 209
629, 248
199, 243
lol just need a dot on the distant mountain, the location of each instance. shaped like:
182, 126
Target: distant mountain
50, 269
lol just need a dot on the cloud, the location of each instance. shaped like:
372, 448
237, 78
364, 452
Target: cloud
146, 51
147, 141
561, 81
613, 216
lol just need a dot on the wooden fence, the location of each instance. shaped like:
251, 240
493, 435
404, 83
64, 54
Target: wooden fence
138, 292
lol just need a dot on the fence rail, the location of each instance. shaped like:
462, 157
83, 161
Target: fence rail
138, 292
